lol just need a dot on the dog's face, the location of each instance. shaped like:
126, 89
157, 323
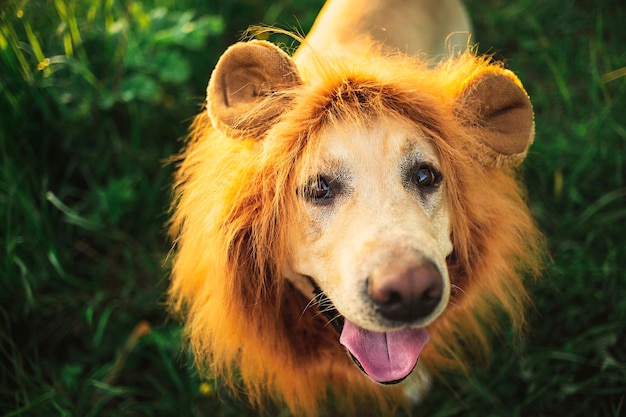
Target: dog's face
371, 239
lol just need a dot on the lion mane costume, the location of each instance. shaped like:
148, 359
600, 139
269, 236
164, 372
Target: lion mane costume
235, 193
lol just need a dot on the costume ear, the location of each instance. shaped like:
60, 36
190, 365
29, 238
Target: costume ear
501, 117
242, 83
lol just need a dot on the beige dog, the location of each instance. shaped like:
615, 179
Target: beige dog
341, 215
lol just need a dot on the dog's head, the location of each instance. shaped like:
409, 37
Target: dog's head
372, 229
375, 192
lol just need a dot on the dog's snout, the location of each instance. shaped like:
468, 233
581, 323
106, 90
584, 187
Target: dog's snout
406, 290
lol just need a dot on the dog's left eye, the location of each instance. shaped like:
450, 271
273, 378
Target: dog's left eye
318, 190
424, 176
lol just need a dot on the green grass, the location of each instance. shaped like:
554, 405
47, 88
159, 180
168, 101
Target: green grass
84, 195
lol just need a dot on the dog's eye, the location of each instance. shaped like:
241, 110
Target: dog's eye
424, 176
318, 190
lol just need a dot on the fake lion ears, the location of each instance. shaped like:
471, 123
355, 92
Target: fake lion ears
492, 102
245, 75
502, 116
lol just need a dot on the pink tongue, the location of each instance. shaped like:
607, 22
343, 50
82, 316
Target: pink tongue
384, 356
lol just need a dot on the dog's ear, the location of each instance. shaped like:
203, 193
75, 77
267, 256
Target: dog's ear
244, 93
498, 111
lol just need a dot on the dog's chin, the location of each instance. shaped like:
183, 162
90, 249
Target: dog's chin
386, 357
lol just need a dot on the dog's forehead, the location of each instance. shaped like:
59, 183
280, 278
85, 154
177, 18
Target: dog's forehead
383, 139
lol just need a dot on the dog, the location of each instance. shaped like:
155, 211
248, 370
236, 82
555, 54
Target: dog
342, 214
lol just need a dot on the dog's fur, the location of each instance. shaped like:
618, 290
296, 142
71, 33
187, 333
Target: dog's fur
262, 246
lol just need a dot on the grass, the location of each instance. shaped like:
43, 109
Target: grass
93, 99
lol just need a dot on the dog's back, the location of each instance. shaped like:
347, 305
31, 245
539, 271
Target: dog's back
426, 27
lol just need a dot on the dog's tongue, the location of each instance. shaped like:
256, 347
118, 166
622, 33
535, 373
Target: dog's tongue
385, 357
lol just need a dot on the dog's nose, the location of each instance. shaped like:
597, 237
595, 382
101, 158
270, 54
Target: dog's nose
406, 290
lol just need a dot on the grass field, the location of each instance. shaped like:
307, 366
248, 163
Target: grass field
96, 95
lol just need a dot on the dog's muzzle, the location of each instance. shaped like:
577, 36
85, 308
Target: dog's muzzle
399, 293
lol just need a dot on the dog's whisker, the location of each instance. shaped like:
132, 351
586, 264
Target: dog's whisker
322, 304
326, 307
313, 301
334, 318
457, 288
317, 302
319, 297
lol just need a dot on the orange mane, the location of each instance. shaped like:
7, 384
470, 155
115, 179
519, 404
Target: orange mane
234, 198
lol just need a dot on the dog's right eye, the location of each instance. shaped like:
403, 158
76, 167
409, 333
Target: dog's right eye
318, 190
424, 177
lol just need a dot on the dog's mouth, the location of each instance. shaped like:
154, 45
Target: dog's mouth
385, 357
